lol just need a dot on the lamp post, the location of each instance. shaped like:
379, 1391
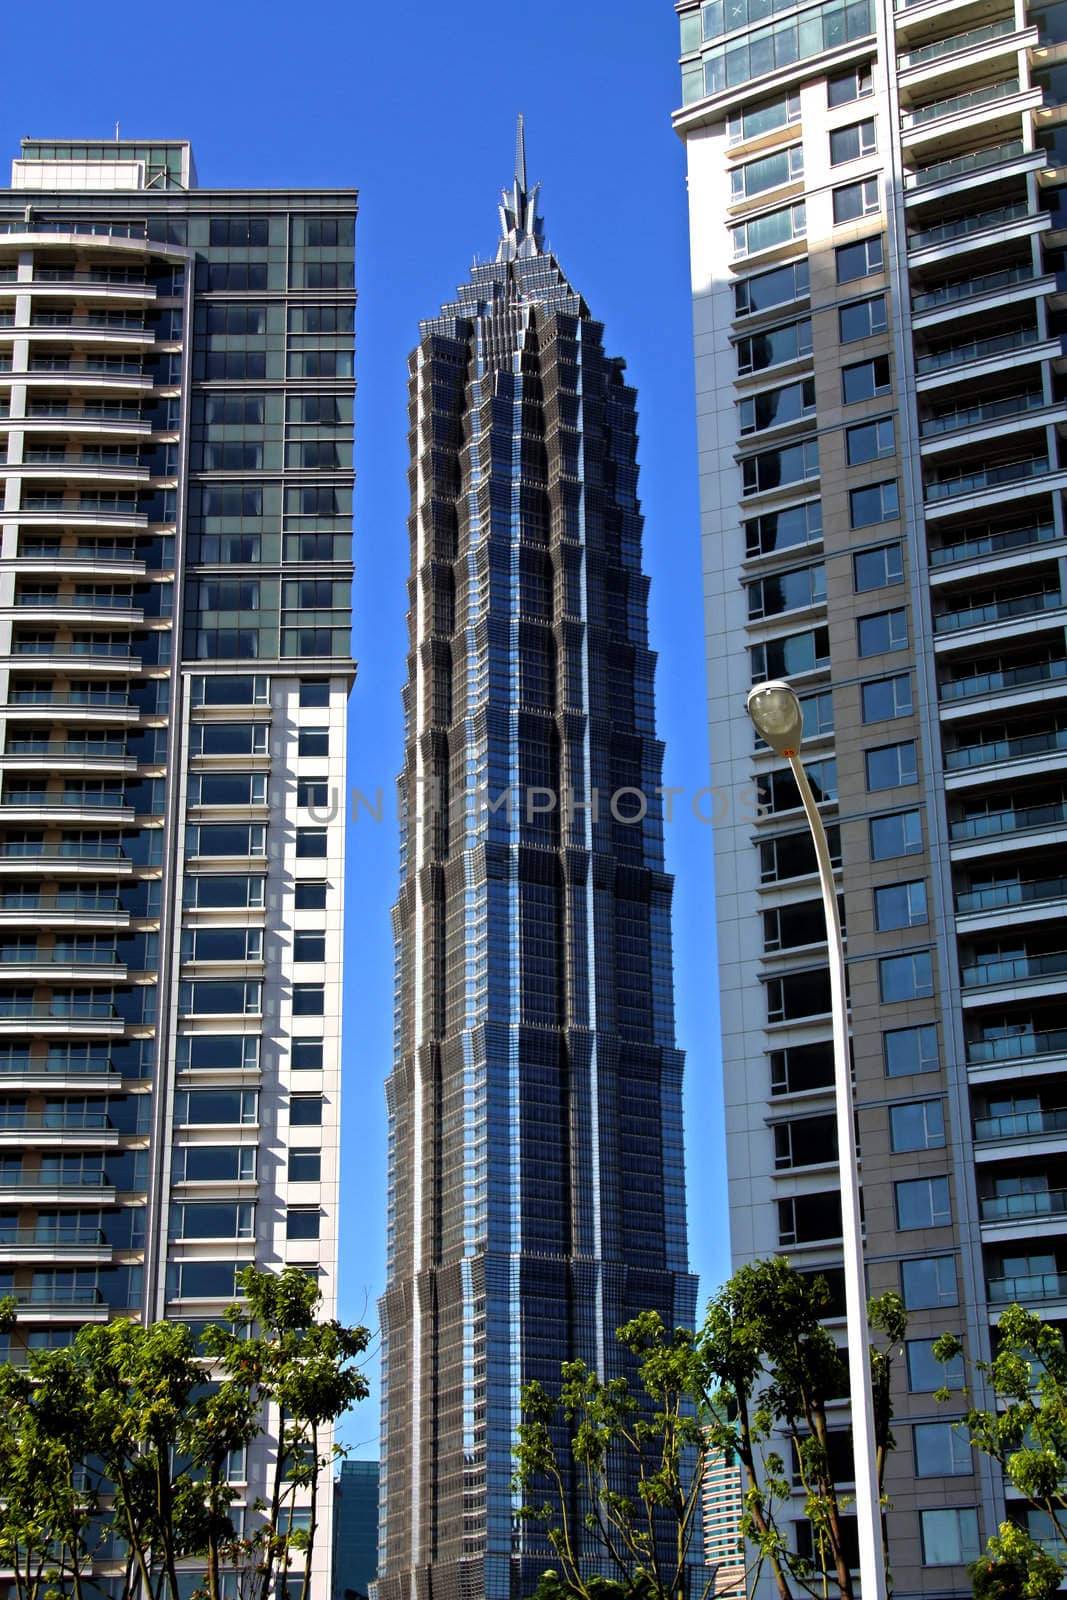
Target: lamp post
776, 713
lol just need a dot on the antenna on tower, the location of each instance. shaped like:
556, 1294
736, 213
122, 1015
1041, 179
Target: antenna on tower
116, 133
520, 153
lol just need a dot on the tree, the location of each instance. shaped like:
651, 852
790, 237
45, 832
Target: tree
1025, 1432
761, 1364
126, 1435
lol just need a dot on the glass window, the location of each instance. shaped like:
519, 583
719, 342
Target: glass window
767, 172
305, 1110
772, 469
311, 844
950, 1536
941, 1450
917, 1125
923, 1203
752, 121
301, 1223
853, 200
772, 228
910, 1050
795, 653
928, 1282
891, 765
305, 1166
878, 502
313, 742
880, 566
773, 407
848, 86
864, 380
776, 345
881, 632
781, 530
870, 441
897, 834
860, 259
308, 946
787, 591
925, 1375
315, 692
307, 1055
313, 792
862, 318
909, 977
310, 895
309, 1000
900, 905
886, 698
775, 288
851, 142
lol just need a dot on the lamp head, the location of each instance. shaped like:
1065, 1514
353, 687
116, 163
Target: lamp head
776, 714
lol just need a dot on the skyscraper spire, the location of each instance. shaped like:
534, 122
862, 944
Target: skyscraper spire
520, 226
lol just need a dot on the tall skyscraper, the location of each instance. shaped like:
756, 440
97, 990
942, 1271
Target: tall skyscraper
355, 1529
536, 1189
877, 224
176, 403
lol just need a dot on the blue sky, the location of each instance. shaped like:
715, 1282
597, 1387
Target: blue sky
415, 105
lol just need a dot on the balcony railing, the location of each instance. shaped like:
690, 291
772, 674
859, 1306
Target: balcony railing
974, 161
107, 800
1006, 678
95, 749
956, 355
957, 41
59, 956
129, 276
1012, 892
107, 365
116, 698
1021, 1124
990, 751
20, 1063
57, 1238
84, 413
80, 1121
992, 543
1031, 1286
1017, 1047
1013, 969
986, 477
61, 900
54, 1178
84, 458
83, 1007
73, 647
961, 102
975, 222
98, 321
985, 411
1011, 820
1031, 1203
1018, 605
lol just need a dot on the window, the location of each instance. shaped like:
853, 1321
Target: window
222, 891
899, 833
787, 343
802, 1066
781, 530
311, 946
908, 977
309, 1000
305, 1166
792, 855
310, 895
313, 742
880, 632
311, 843
305, 1110
891, 765
798, 923
851, 142
881, 565
766, 289
886, 698
909, 1050
770, 229
870, 441
777, 791
775, 406
862, 318
941, 1451
900, 905
848, 86
315, 692
923, 1203
799, 994
950, 1536
780, 44
917, 1125
216, 1107
817, 712
854, 200
864, 380
879, 502
925, 1374
795, 653
806, 1217
306, 1055
752, 121
772, 469
787, 591
805, 1142
860, 259
313, 792
767, 172
929, 1282
208, 1052
302, 1222
219, 996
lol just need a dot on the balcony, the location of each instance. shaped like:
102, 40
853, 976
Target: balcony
961, 166
1011, 892
958, 355
53, 1241
960, 102
992, 543
80, 902
1022, 1124
1019, 605
1027, 1205
990, 477
129, 278
998, 970
956, 42
111, 699
1012, 819
982, 683
990, 752
961, 227
958, 417
1032, 1286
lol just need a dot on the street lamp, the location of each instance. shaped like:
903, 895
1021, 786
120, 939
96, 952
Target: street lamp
779, 720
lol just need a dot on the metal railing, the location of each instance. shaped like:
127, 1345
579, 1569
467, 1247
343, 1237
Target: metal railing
1011, 820
974, 222
1020, 605
1012, 892
991, 543
954, 355
1027, 1203
1021, 1124
1009, 969
986, 411
956, 41
1006, 678
960, 102
974, 161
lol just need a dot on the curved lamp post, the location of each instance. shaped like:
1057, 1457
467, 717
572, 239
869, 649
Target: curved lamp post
776, 713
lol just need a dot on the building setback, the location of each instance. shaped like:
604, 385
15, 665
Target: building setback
536, 1190
876, 226
176, 403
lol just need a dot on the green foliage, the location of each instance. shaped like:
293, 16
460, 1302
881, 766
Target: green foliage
1014, 1567
130, 1428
